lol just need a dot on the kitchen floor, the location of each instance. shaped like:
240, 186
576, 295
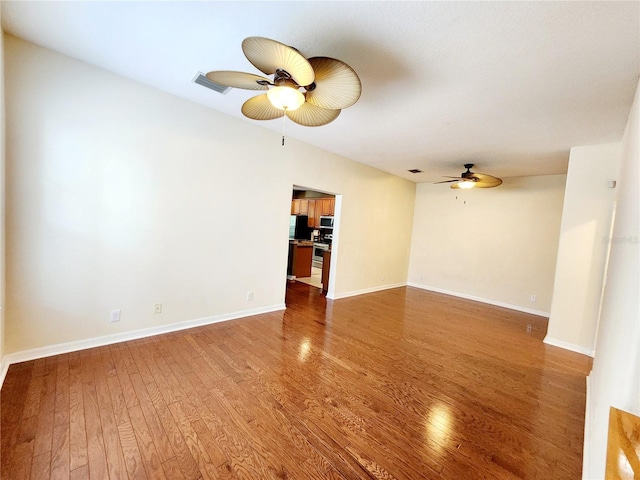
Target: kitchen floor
315, 280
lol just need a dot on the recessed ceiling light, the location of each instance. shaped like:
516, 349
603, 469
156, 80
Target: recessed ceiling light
415, 170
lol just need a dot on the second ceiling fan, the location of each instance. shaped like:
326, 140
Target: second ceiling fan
311, 92
470, 179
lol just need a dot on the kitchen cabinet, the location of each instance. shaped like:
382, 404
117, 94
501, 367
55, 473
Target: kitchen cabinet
326, 262
311, 211
327, 206
323, 207
300, 258
300, 206
314, 208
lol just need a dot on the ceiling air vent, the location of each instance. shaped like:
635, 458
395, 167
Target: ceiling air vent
201, 79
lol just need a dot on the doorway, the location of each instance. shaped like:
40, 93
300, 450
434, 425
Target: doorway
317, 210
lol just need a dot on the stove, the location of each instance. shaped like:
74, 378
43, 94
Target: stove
318, 249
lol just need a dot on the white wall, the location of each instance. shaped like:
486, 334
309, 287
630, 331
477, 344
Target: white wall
2, 206
495, 245
582, 252
120, 196
615, 378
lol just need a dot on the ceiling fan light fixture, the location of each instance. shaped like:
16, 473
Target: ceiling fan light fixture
466, 184
285, 98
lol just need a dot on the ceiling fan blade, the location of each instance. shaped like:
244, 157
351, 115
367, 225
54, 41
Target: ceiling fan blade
268, 55
480, 180
247, 81
486, 181
337, 85
260, 108
309, 115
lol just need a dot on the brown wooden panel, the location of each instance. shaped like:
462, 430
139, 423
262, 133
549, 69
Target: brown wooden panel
61, 409
311, 212
131, 453
172, 470
46, 411
113, 448
95, 445
302, 260
41, 466
150, 457
156, 431
623, 446
326, 269
401, 384
80, 473
60, 452
77, 432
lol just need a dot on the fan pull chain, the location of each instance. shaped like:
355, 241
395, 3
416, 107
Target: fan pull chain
284, 121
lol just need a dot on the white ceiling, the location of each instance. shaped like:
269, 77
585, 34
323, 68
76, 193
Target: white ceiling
509, 86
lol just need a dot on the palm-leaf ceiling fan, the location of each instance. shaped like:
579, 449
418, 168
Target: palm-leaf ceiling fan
469, 179
311, 92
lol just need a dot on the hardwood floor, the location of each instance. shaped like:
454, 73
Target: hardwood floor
402, 384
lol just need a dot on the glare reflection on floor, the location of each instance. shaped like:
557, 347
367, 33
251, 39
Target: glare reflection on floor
438, 424
305, 348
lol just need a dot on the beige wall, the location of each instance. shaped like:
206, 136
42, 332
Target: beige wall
583, 248
121, 196
615, 378
495, 245
2, 206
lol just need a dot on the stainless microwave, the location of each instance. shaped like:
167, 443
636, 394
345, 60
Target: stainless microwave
326, 222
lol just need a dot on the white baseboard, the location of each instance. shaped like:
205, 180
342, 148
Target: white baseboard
4, 368
366, 290
74, 346
568, 346
540, 313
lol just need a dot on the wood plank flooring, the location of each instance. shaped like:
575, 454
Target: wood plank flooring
399, 384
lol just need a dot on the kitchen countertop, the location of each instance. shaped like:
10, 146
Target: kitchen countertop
302, 243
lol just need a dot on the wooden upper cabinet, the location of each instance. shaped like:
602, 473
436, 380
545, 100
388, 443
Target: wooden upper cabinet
314, 208
328, 206
299, 206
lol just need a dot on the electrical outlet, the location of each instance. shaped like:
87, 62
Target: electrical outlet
115, 316
383, 278
157, 308
249, 296
534, 298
